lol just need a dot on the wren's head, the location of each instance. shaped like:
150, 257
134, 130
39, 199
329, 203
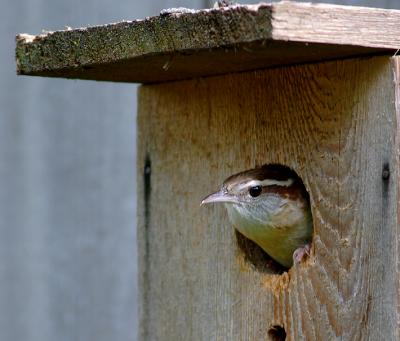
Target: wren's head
257, 194
268, 205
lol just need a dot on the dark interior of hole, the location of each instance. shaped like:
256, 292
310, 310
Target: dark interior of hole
277, 333
257, 257
254, 254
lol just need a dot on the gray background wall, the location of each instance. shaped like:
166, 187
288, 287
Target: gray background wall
67, 185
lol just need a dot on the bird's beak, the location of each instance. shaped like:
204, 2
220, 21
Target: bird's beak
220, 196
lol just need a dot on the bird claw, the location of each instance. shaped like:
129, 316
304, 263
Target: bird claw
300, 253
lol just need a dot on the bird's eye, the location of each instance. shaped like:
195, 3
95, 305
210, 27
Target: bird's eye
255, 191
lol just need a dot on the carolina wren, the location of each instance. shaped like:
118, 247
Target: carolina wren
270, 206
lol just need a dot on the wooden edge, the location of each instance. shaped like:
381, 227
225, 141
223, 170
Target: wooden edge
265, 35
335, 24
396, 77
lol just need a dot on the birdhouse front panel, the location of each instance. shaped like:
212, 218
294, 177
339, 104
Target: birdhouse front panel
334, 124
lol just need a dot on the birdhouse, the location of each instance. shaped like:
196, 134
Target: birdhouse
309, 86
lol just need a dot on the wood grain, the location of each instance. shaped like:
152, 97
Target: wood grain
335, 24
195, 43
335, 123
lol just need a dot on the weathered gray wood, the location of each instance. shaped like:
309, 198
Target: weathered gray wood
336, 124
208, 42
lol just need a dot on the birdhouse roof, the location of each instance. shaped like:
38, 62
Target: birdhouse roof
182, 43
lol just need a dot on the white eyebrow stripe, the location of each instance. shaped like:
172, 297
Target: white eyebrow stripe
267, 182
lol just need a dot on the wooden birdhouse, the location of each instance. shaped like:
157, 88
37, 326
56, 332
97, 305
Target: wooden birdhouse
313, 87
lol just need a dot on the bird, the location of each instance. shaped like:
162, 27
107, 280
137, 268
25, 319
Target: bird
270, 206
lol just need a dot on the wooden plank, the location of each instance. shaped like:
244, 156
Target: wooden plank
181, 45
396, 66
335, 123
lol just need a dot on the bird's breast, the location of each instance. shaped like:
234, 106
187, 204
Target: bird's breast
278, 230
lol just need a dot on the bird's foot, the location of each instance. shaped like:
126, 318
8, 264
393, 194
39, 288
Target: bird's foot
300, 253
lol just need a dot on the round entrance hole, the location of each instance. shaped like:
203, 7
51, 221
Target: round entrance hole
282, 192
